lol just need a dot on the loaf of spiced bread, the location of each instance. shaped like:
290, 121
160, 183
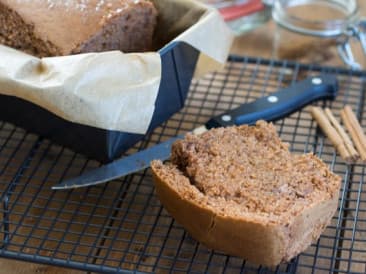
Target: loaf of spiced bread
63, 27
241, 191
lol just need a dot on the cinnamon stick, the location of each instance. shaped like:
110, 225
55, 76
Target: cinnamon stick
331, 133
358, 136
347, 141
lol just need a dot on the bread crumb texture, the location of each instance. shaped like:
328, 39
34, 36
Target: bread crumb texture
247, 173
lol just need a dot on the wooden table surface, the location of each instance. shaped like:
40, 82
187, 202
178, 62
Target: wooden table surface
256, 43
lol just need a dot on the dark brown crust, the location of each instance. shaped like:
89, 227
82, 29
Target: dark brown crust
129, 29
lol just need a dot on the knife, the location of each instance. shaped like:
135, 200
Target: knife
270, 108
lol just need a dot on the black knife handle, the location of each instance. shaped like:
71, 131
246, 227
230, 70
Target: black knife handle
281, 103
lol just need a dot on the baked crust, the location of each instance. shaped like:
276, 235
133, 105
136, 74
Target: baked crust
52, 28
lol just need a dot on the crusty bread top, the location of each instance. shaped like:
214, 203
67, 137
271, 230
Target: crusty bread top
68, 23
248, 172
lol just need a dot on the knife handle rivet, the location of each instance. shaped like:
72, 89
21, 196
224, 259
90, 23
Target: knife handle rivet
317, 81
226, 118
272, 99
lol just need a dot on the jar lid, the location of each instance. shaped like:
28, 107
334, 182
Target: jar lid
325, 18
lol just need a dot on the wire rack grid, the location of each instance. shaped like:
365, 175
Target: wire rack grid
121, 226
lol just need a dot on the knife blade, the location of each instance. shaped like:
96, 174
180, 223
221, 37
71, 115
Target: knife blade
270, 108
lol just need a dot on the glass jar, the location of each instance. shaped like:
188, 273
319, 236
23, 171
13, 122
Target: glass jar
318, 30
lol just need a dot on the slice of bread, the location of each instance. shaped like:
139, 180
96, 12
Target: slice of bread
240, 191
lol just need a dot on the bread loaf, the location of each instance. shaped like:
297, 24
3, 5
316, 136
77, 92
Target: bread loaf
63, 27
240, 191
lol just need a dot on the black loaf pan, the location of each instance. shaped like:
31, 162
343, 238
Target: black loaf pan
178, 65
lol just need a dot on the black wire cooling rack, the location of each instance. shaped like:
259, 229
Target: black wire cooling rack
122, 227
